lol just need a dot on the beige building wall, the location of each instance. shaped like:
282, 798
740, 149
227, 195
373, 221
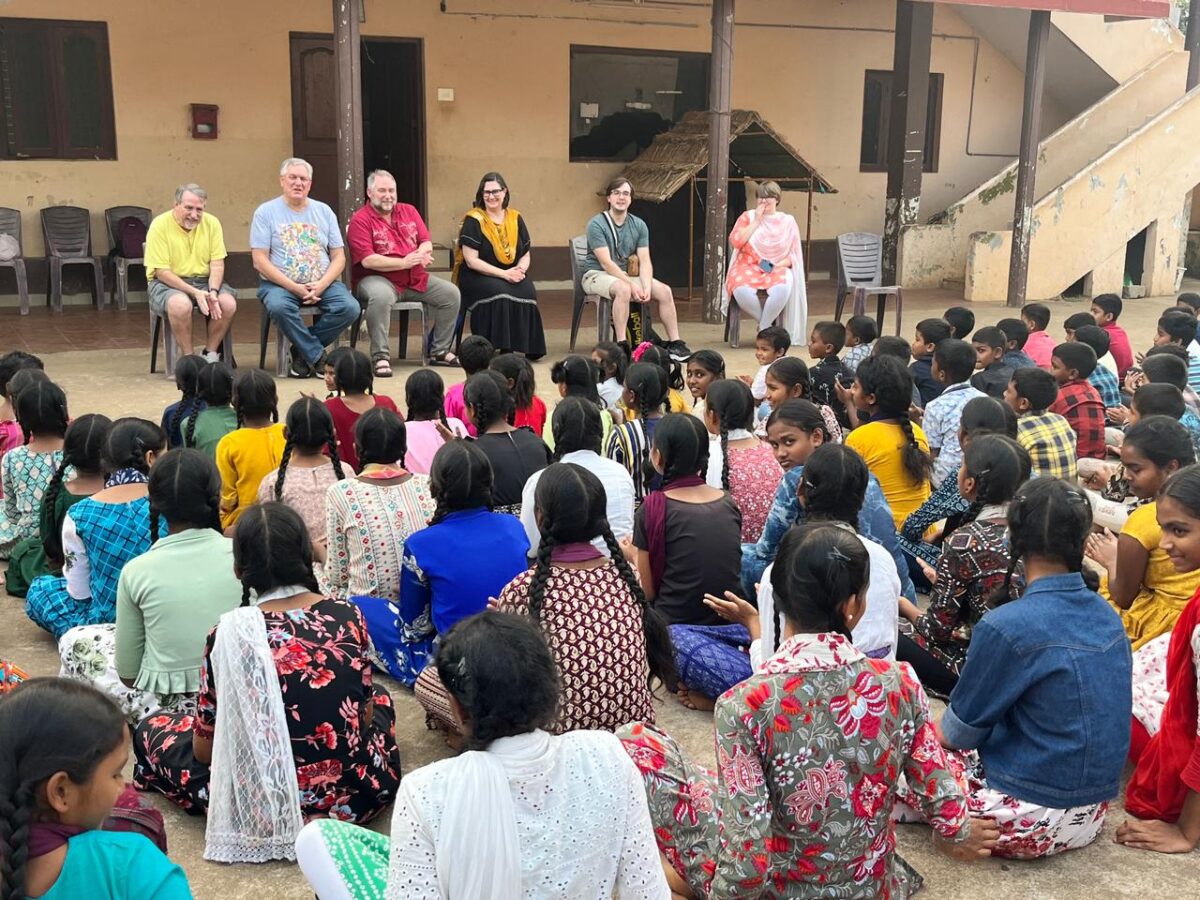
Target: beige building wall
800, 63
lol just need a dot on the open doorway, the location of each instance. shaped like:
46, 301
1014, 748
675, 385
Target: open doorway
393, 112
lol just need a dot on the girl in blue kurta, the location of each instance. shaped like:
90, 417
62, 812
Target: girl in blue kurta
450, 569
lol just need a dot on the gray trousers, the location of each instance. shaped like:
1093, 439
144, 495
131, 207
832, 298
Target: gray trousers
441, 299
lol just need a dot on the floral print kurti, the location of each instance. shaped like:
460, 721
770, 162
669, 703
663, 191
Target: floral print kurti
810, 751
347, 767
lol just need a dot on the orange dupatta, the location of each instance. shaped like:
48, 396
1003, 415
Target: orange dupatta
503, 238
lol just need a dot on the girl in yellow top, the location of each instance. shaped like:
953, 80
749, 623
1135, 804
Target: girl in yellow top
255, 449
894, 449
652, 353
1141, 581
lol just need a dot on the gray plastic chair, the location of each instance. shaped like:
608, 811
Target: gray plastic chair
160, 326
603, 304
10, 224
401, 310
67, 231
112, 217
860, 274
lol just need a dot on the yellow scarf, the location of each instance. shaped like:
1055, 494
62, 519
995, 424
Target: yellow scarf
503, 238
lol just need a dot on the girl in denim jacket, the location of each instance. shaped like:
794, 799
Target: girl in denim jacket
1040, 715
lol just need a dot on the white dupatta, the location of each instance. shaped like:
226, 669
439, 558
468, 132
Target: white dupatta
795, 314
254, 798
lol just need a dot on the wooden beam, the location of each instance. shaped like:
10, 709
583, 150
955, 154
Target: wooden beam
1136, 9
1031, 123
346, 59
906, 128
717, 204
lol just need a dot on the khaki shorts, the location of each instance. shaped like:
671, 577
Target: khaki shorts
598, 282
158, 292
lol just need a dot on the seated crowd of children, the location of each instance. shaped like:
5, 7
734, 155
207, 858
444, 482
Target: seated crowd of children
224, 586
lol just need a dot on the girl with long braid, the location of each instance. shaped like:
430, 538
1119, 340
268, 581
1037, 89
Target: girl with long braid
578, 376
687, 534
187, 379
370, 516
100, 534
895, 449
254, 449
338, 728
608, 640
216, 416
310, 464
972, 565
739, 462
63, 750
425, 402
41, 554
25, 471
629, 443
672, 371
1043, 776
811, 750
515, 453
355, 381
150, 659
436, 588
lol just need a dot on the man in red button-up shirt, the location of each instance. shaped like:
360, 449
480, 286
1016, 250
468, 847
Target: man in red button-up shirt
389, 250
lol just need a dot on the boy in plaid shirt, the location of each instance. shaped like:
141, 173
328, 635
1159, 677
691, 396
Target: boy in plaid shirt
1102, 379
1046, 436
1078, 402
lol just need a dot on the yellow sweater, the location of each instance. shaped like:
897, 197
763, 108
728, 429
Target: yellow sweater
244, 457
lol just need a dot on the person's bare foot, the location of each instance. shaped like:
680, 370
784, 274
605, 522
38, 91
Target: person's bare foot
692, 700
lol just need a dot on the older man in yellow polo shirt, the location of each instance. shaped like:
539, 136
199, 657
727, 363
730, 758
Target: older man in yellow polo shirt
185, 270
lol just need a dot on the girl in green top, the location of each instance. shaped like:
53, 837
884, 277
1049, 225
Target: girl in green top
83, 449
205, 429
65, 747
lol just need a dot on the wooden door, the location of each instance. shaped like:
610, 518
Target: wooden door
314, 112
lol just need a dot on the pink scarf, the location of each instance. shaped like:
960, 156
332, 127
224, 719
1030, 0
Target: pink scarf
654, 509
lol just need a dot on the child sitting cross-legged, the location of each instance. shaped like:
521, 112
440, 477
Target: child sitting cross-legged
704, 369
824, 345
972, 566
1039, 345
11, 363
254, 449
612, 361
1140, 579
187, 379
960, 320
1046, 436
789, 378
812, 750
1157, 399
711, 660
739, 462
994, 373
150, 659
772, 343
214, 416
515, 453
1044, 778
953, 363
474, 355
424, 403
65, 747
930, 333
1105, 310
1178, 327
288, 723
1163, 794
26, 471
356, 388
1078, 402
1104, 380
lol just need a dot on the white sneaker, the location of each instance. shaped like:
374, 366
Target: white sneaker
211, 356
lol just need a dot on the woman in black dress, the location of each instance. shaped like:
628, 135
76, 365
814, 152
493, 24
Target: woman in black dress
492, 272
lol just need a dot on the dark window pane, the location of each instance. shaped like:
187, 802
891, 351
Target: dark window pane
81, 91
27, 81
877, 111
874, 98
621, 99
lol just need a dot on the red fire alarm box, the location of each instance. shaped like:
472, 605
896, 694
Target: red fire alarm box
204, 121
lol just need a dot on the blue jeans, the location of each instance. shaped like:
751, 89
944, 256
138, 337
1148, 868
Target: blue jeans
338, 311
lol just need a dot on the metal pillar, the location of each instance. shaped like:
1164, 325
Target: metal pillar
906, 129
346, 60
1031, 122
717, 205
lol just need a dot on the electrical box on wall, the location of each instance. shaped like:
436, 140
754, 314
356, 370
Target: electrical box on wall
445, 95
204, 121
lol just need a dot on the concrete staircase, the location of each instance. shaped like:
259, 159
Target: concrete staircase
1121, 165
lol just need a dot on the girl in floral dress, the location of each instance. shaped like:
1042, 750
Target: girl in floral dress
810, 753
25, 471
1163, 795
972, 565
341, 727
739, 462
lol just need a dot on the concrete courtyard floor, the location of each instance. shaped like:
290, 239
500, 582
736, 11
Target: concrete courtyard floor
111, 377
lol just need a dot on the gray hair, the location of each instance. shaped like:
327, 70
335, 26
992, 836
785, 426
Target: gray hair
190, 188
378, 173
295, 161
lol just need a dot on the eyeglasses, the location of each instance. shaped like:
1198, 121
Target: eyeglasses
495, 193
621, 194
303, 179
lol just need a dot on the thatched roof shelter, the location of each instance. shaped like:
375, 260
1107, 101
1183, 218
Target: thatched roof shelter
756, 151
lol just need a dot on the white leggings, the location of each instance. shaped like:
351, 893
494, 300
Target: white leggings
765, 312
